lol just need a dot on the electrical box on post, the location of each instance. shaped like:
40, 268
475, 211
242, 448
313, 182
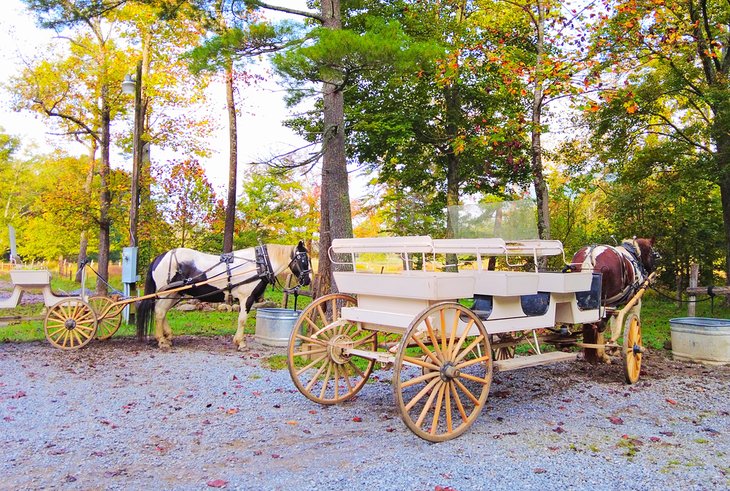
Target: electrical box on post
129, 265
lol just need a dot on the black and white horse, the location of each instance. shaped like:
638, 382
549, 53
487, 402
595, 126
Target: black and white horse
244, 274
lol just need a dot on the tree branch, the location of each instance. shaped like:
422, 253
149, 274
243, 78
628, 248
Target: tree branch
287, 10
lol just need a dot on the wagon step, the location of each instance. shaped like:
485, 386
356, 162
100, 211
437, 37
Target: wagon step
533, 360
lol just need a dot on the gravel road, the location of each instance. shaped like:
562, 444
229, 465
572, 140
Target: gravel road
123, 415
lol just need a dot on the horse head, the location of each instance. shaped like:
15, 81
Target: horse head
299, 264
644, 252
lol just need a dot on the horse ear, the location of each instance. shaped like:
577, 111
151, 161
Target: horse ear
300, 245
652, 241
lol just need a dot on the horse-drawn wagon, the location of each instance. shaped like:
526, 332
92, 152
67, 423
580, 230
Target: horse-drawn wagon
71, 322
444, 333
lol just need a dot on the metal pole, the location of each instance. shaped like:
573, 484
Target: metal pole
136, 156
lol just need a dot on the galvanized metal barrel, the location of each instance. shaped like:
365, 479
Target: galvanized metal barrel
274, 326
701, 339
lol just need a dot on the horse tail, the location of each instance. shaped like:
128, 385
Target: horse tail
145, 308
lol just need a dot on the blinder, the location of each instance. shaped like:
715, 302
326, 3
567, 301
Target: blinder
301, 260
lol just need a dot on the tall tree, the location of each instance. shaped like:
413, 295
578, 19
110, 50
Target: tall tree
336, 217
437, 122
237, 35
59, 98
665, 97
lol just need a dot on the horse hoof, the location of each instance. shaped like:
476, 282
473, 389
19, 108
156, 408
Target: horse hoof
242, 346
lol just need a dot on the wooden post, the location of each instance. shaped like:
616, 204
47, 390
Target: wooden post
694, 273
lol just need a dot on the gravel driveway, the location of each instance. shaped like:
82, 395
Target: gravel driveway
123, 415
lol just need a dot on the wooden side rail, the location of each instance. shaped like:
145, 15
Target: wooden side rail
535, 248
407, 244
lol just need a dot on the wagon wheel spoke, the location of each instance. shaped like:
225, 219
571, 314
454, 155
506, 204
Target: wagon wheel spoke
70, 324
318, 359
441, 379
429, 403
109, 318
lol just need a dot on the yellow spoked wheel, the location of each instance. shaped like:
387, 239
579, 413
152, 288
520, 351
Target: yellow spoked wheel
107, 324
633, 349
442, 373
319, 361
70, 324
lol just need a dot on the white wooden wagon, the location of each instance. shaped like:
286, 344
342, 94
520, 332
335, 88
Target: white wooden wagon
441, 331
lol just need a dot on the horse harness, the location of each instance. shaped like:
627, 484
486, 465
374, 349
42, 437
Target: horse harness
264, 270
639, 272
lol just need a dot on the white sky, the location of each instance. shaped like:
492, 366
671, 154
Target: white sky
261, 134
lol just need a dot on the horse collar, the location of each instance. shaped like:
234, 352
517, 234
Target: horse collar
263, 264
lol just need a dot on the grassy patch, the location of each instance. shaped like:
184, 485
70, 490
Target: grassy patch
276, 362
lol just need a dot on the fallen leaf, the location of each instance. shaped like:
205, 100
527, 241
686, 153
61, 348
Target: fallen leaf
357, 419
655, 439
616, 420
672, 402
232, 410
559, 429
275, 456
292, 422
312, 411
539, 470
217, 483
18, 395
666, 433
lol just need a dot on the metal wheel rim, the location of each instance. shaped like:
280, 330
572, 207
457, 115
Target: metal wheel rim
70, 324
315, 361
456, 384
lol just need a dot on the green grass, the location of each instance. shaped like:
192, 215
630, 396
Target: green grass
655, 315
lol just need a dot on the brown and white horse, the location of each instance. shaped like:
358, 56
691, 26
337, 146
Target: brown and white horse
244, 274
623, 269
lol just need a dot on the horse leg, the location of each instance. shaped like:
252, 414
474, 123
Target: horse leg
239, 339
163, 333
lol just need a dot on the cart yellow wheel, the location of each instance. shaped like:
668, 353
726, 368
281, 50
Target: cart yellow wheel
440, 398
70, 324
319, 362
632, 349
506, 348
108, 323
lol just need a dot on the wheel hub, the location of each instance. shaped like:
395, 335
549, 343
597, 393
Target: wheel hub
70, 324
448, 372
337, 346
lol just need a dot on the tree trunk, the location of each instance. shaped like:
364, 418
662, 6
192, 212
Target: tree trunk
103, 269
230, 221
721, 113
84, 239
725, 197
336, 218
538, 178
453, 114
